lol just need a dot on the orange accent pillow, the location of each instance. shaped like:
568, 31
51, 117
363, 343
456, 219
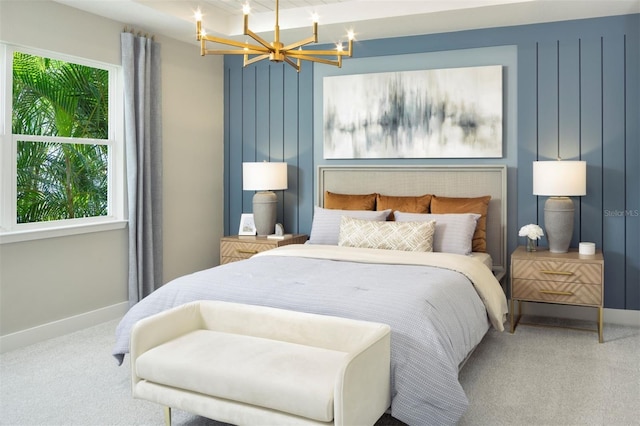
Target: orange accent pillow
333, 200
479, 205
406, 204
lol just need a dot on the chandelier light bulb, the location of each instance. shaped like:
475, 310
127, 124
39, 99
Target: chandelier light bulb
314, 17
198, 15
246, 8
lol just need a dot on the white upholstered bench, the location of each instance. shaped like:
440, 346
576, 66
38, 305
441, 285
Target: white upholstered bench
253, 365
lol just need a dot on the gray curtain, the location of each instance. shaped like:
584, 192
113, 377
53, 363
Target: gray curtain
143, 140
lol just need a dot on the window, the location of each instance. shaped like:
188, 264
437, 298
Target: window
61, 135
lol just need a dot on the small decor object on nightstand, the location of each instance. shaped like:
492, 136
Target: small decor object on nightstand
247, 225
533, 232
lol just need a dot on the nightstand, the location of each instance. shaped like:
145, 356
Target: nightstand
560, 278
240, 247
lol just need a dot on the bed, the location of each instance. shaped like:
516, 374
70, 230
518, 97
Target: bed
439, 304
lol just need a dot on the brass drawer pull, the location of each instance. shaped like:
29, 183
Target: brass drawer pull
557, 272
247, 251
557, 293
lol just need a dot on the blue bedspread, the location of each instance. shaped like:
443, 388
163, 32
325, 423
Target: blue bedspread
436, 316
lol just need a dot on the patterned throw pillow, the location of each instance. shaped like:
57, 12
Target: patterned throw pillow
405, 236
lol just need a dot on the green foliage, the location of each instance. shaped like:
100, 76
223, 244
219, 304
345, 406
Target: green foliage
56, 98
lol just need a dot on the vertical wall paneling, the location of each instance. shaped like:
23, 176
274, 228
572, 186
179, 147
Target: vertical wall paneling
591, 137
632, 158
227, 165
547, 98
234, 199
305, 160
577, 86
289, 205
527, 133
569, 113
613, 163
276, 121
263, 111
249, 131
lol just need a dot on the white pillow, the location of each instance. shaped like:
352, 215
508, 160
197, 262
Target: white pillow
325, 228
454, 231
405, 236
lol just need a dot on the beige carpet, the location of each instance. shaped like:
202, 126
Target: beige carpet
537, 376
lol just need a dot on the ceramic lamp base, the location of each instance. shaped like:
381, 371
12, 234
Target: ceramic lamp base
558, 223
264, 212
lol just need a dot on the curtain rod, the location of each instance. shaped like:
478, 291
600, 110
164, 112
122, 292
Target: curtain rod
139, 33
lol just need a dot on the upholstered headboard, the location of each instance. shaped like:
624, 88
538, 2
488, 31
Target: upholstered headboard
449, 181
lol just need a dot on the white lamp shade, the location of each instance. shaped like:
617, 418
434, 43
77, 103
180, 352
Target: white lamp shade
560, 178
264, 176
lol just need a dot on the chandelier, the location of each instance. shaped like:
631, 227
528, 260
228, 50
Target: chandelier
275, 51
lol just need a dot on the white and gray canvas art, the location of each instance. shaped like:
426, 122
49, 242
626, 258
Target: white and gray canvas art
443, 113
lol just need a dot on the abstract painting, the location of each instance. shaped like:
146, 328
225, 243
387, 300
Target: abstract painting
442, 113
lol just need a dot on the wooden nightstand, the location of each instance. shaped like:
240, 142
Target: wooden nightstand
562, 278
239, 247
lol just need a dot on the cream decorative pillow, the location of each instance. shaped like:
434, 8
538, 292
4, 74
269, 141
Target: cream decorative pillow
405, 236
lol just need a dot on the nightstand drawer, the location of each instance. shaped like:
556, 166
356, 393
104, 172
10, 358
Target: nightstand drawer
243, 250
567, 272
557, 292
236, 247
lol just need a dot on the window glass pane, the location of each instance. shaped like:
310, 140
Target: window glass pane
61, 181
58, 98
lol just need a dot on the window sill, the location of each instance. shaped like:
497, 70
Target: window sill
61, 231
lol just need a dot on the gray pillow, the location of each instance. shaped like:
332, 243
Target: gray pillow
325, 228
454, 231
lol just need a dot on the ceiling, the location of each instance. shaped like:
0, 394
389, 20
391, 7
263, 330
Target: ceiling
370, 19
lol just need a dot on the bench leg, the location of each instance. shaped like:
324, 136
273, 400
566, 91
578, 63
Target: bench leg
167, 416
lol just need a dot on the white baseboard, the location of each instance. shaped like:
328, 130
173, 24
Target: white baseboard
610, 316
61, 327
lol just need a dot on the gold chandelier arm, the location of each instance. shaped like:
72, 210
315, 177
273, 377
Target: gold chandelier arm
337, 62
235, 52
310, 39
293, 64
255, 59
253, 35
259, 39
302, 53
234, 43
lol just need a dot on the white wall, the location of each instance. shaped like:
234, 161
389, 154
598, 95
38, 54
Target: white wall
55, 285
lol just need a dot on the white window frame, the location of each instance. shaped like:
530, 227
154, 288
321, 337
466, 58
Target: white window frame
10, 230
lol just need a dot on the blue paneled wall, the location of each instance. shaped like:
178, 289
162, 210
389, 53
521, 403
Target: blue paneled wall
571, 89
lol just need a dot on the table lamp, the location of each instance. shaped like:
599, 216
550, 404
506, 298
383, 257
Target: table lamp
559, 180
265, 178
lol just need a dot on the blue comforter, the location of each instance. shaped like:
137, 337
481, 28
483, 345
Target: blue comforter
436, 316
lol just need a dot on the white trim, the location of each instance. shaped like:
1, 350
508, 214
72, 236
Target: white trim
61, 231
61, 327
10, 231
